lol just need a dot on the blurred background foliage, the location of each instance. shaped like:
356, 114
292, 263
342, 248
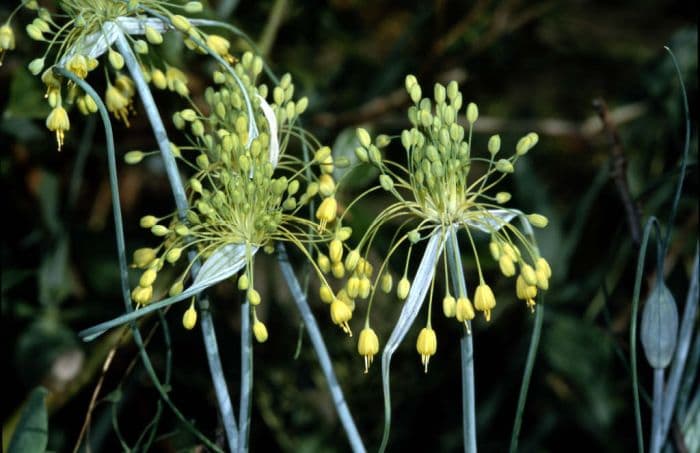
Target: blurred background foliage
530, 66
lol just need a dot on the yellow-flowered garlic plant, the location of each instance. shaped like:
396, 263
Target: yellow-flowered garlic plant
246, 193
435, 197
84, 31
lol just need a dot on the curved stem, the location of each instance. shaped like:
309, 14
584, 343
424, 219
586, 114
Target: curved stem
527, 374
652, 222
207, 324
121, 252
321, 352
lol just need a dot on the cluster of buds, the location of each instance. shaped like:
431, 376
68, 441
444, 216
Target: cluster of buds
433, 195
245, 190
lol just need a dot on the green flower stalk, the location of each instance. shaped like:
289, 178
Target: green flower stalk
435, 194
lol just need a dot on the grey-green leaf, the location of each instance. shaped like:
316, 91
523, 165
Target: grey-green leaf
32, 431
659, 330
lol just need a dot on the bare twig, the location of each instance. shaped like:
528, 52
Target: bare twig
619, 170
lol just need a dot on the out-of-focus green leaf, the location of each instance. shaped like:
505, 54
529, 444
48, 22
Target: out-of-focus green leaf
38, 347
32, 431
55, 283
26, 97
13, 277
49, 199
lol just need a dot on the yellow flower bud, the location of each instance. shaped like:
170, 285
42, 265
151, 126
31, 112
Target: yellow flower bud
402, 288
511, 251
335, 251
143, 257
528, 274
365, 288
218, 44
78, 65
368, 346
148, 221
180, 22
141, 47
253, 296
189, 319
148, 277
243, 282
34, 32
538, 220
158, 79
176, 288
152, 35
141, 295
502, 197
504, 166
340, 315
260, 331
7, 38
543, 265
117, 103
326, 212
449, 306
133, 157
193, 7
506, 265
426, 345
495, 250
326, 294
338, 270
58, 122
472, 113
494, 144
363, 137
323, 263
464, 311
484, 300
387, 282
115, 59
35, 66
159, 230
352, 260
386, 182
542, 279
326, 185
353, 287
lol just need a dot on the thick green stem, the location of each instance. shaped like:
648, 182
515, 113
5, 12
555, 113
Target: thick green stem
246, 378
466, 347
321, 352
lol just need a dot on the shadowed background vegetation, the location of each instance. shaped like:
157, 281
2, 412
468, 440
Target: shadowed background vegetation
530, 66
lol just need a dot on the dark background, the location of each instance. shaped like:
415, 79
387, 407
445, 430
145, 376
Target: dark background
530, 66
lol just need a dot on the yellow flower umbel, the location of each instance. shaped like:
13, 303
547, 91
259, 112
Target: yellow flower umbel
246, 191
83, 31
434, 195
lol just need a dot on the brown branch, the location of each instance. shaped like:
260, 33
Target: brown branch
619, 170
